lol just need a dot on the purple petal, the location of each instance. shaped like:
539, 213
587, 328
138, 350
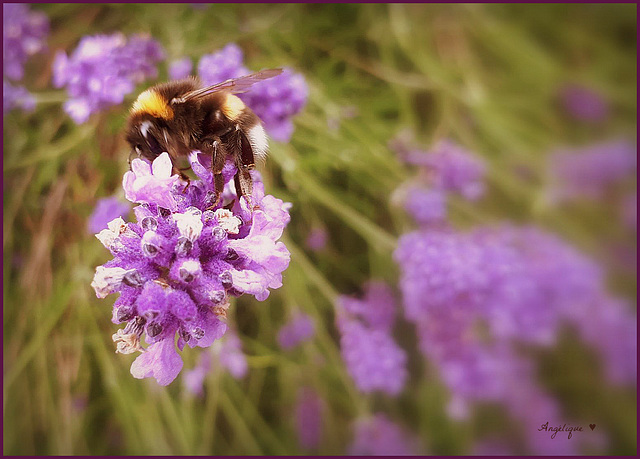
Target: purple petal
160, 361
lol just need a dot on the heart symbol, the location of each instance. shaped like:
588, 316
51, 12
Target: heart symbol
593, 426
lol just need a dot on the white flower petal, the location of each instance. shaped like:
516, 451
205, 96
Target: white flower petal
189, 223
140, 168
162, 166
107, 280
229, 222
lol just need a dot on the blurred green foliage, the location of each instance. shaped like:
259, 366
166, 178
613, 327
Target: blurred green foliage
485, 75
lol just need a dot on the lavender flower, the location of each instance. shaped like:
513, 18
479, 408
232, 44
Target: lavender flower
176, 268
227, 352
589, 171
180, 68
102, 70
448, 167
231, 357
16, 97
317, 239
298, 330
275, 101
474, 295
373, 358
426, 206
378, 436
222, 65
584, 104
152, 183
24, 34
308, 417
106, 210
193, 380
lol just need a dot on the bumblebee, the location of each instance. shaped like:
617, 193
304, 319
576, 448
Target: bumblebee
183, 115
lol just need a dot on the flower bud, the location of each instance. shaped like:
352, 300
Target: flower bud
189, 270
149, 223
227, 221
107, 280
189, 223
115, 228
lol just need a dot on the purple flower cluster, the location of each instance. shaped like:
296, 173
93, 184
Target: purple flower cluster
180, 68
16, 97
449, 167
275, 100
584, 104
231, 356
308, 417
222, 65
378, 436
446, 168
373, 358
102, 70
317, 239
426, 206
106, 210
474, 295
24, 33
179, 264
588, 172
297, 331
227, 352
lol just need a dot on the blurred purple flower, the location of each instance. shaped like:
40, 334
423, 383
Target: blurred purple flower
426, 206
222, 65
231, 356
180, 68
106, 210
377, 309
16, 97
24, 33
587, 172
473, 296
175, 269
227, 352
297, 331
373, 358
317, 239
102, 70
378, 436
275, 100
308, 418
193, 380
448, 167
584, 104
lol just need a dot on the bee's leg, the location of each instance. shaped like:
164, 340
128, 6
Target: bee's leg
245, 162
218, 159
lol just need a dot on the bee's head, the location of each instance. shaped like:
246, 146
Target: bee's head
147, 133
147, 136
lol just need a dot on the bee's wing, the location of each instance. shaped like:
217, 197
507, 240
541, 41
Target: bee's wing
234, 85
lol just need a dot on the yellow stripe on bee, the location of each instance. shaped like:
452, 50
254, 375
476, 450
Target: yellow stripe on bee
152, 103
232, 107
